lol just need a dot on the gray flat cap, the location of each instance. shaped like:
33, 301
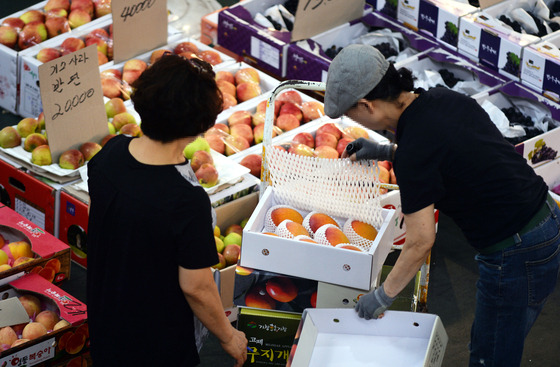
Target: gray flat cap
353, 73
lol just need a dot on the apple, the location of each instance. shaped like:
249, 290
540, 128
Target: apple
258, 118
234, 228
185, 47
235, 144
112, 87
225, 75
27, 126
324, 138
226, 87
228, 101
244, 131
199, 143
304, 138
56, 13
216, 143
247, 75
114, 106
388, 165
71, 44
240, 117
219, 243
71, 159
258, 133
111, 73
102, 7
131, 129
341, 145
312, 110
57, 4
231, 253
9, 137
199, 158
287, 122
8, 36
132, 70
289, 96
123, 118
14, 22
207, 175
48, 54
261, 107
247, 90
41, 155
291, 108
325, 151
355, 132
85, 5
301, 149
106, 139
33, 15
254, 163
233, 238
33, 141
56, 26
157, 54
89, 149
221, 263
32, 34
210, 56
100, 43
78, 17
330, 128
219, 129
41, 120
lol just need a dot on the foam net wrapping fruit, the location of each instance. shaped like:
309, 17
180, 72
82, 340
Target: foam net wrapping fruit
307, 222
338, 187
356, 239
269, 224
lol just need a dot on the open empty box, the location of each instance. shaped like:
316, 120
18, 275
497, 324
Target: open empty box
338, 337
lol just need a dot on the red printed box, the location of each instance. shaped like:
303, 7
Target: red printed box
74, 223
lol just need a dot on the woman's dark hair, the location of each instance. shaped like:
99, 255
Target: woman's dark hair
392, 84
176, 98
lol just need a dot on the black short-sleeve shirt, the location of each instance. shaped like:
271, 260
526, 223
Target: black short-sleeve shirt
145, 221
451, 154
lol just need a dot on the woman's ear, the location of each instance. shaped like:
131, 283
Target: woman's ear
365, 104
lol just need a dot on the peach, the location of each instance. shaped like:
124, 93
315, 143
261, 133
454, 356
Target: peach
33, 330
312, 110
355, 132
4, 267
349, 246
317, 220
18, 249
235, 144
4, 259
239, 117
305, 138
31, 304
301, 149
364, 230
75, 343
61, 324
228, 100
330, 235
225, 75
47, 273
247, 91
280, 214
290, 229
247, 75
7, 335
185, 47
254, 163
325, 151
21, 260
291, 108
324, 138
282, 289
48, 318
287, 122
341, 145
216, 143
210, 56
330, 128
19, 341
244, 131
226, 87
258, 297
289, 96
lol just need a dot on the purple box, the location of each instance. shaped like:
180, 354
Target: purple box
307, 65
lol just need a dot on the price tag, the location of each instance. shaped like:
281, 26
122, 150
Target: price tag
73, 100
316, 16
138, 26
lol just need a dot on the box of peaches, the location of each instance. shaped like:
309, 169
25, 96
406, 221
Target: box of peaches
26, 248
310, 244
39, 323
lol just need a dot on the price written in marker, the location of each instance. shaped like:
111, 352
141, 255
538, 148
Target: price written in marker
316, 16
72, 100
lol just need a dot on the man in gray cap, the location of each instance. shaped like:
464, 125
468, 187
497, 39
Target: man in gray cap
451, 157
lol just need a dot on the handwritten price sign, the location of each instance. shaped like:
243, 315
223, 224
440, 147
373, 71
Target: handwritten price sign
138, 26
73, 100
317, 16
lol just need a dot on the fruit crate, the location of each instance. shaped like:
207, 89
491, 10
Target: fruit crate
10, 60
540, 68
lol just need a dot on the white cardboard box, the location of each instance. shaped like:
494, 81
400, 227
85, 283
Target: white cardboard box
540, 67
309, 260
338, 337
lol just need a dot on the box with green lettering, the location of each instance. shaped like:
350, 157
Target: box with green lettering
41, 323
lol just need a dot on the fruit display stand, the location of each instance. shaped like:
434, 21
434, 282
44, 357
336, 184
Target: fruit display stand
10, 62
540, 138
43, 253
540, 69
456, 72
307, 59
337, 337
70, 339
30, 97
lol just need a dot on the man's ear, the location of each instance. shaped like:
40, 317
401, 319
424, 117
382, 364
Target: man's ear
364, 103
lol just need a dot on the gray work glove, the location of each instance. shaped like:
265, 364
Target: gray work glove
368, 149
373, 304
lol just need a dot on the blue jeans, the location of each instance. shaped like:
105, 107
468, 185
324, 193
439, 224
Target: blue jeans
513, 286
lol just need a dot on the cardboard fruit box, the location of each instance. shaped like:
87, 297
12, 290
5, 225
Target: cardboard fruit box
10, 62
540, 67
312, 260
51, 257
338, 337
65, 343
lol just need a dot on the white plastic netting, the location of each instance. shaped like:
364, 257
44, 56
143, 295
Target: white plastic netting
355, 238
337, 187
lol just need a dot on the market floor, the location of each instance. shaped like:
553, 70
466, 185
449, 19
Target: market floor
451, 295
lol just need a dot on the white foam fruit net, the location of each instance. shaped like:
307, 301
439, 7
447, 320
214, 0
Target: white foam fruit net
337, 187
269, 225
364, 243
